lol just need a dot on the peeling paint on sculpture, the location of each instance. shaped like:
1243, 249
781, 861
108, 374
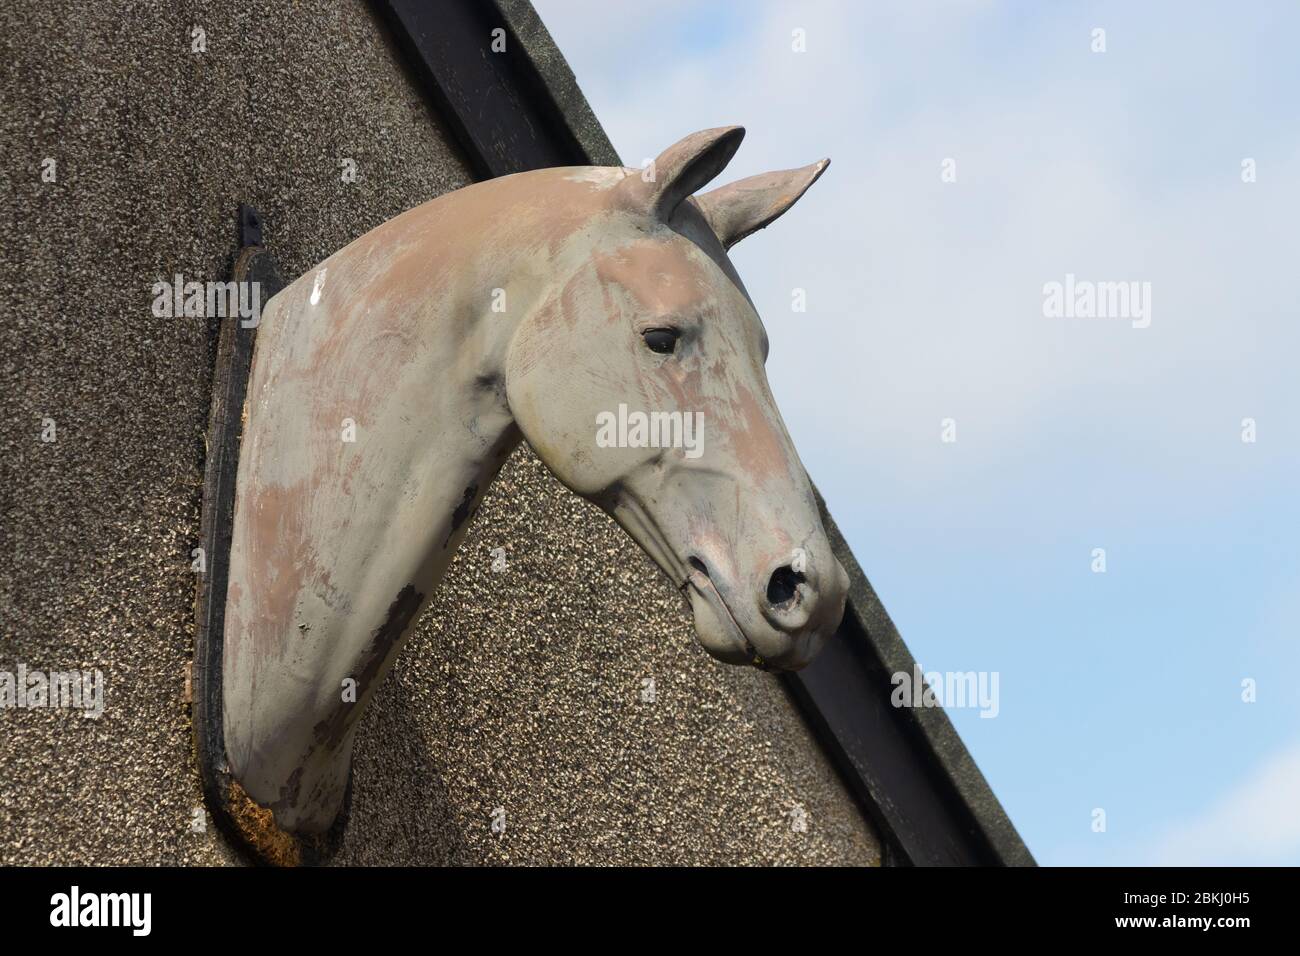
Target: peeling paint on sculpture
522, 307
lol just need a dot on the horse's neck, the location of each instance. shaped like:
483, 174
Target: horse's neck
459, 274
454, 386
466, 456
482, 259
377, 419
395, 334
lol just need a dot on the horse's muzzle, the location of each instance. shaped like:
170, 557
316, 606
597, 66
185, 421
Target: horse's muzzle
797, 607
802, 602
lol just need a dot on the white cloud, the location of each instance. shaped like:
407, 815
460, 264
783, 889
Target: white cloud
1255, 824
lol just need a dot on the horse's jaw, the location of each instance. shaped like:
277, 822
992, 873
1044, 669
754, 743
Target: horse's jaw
715, 627
716, 603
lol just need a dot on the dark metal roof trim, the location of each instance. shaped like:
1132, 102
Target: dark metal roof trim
916, 773
553, 72
522, 109
497, 105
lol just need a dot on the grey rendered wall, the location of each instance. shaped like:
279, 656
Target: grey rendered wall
522, 689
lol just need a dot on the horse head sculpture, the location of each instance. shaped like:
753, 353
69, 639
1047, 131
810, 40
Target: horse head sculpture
591, 311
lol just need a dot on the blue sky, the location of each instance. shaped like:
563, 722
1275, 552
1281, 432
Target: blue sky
1122, 690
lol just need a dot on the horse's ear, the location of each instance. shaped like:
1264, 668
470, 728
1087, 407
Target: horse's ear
747, 205
683, 168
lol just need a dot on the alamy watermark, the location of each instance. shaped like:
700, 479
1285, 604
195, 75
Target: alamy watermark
69, 690
626, 429
1085, 299
950, 689
203, 300
133, 911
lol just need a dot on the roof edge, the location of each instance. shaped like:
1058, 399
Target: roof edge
557, 77
935, 727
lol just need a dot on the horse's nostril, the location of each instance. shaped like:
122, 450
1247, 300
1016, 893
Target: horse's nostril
784, 586
698, 565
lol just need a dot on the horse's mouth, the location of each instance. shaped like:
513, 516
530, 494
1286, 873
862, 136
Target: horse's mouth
702, 584
715, 625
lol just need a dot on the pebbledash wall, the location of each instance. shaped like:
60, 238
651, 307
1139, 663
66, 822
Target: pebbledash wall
523, 689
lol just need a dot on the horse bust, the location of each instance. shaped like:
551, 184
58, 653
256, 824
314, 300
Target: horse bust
390, 383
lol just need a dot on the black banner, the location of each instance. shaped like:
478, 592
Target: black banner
346, 907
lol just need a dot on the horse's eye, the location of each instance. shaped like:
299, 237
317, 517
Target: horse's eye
662, 341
